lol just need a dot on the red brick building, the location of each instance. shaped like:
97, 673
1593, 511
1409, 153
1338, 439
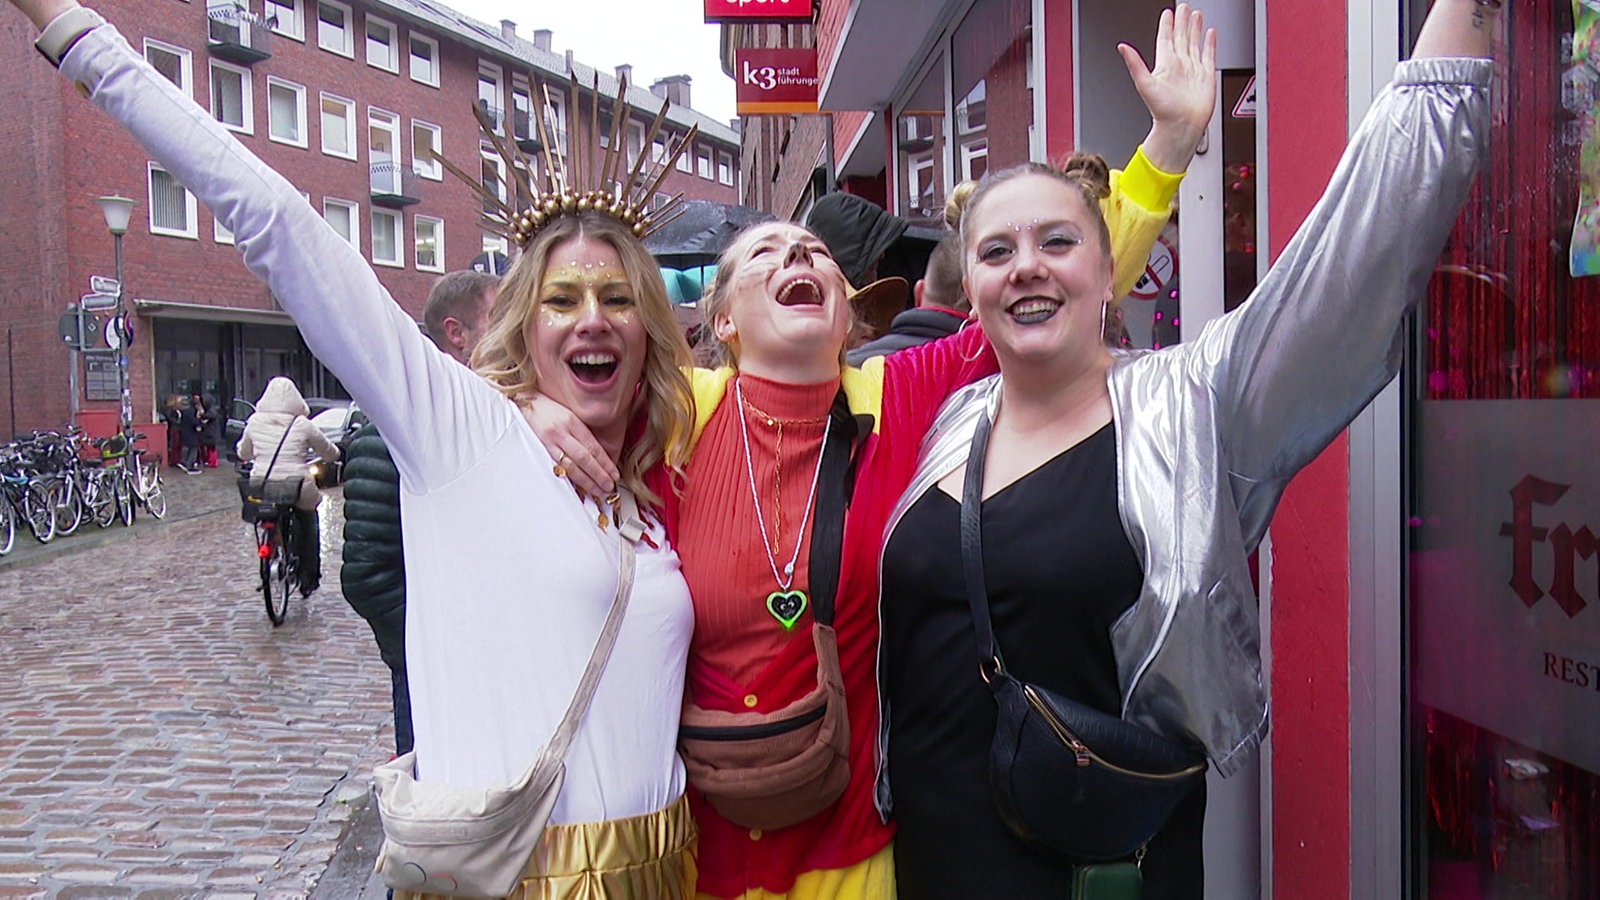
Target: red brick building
346, 99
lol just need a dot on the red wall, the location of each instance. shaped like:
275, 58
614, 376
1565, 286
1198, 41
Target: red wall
1307, 123
1057, 49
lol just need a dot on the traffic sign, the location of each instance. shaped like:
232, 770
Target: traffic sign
100, 284
1246, 107
79, 329
98, 301
114, 332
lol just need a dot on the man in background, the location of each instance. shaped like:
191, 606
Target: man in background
941, 307
373, 575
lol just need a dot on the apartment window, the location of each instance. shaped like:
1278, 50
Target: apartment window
220, 232
424, 59
383, 45
724, 168
685, 164
430, 243
341, 216
287, 18
523, 127
494, 177
702, 163
338, 126
286, 112
386, 238
555, 118
172, 62
635, 141
658, 150
489, 96
425, 150
172, 208
231, 100
383, 150
333, 28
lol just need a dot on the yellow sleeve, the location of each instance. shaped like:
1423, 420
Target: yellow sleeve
1137, 209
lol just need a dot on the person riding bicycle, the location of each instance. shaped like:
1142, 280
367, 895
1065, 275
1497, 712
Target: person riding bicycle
281, 427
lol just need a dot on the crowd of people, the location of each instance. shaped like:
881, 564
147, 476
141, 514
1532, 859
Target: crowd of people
795, 706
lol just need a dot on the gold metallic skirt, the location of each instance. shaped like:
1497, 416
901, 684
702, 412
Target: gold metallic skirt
648, 857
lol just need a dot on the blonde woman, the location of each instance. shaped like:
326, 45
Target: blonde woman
509, 574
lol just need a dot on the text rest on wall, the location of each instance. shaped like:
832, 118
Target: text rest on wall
1506, 571
746, 11
775, 80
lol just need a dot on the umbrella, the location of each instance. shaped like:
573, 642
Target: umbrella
700, 233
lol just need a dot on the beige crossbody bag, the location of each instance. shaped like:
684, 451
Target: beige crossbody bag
476, 842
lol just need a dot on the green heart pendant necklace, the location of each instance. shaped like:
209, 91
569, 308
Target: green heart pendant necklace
785, 604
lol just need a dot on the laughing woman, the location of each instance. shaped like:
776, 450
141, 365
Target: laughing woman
1120, 493
510, 575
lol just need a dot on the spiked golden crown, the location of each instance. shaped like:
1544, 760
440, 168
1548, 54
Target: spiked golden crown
587, 178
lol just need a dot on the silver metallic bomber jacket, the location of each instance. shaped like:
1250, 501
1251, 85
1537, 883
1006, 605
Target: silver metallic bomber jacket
1209, 432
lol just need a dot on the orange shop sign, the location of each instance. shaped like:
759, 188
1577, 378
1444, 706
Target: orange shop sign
775, 80
758, 10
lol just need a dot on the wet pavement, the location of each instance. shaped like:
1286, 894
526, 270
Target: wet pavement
161, 739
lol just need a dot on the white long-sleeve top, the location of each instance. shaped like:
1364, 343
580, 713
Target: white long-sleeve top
508, 576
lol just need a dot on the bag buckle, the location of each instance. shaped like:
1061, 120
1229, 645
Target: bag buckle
991, 667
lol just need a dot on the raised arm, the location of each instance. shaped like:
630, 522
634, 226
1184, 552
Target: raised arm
435, 414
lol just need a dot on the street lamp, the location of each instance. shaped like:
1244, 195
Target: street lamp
118, 210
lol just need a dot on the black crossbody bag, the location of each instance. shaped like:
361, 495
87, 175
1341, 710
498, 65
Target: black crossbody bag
1067, 778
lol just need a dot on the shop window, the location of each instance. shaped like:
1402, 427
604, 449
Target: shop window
342, 217
424, 53
231, 97
919, 141
1503, 600
286, 112
334, 28
174, 63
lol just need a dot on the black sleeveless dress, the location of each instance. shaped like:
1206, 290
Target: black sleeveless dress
1060, 571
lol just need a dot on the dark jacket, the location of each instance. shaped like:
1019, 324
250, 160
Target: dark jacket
211, 423
189, 426
373, 574
857, 232
910, 328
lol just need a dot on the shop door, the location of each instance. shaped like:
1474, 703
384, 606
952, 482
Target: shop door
1503, 434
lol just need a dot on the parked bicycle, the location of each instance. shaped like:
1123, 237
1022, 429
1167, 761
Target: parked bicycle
134, 481
27, 494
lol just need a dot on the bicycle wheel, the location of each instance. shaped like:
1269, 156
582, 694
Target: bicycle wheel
69, 505
40, 513
122, 488
8, 525
97, 498
155, 502
275, 579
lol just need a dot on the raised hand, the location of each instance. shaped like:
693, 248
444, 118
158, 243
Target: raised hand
1181, 91
43, 11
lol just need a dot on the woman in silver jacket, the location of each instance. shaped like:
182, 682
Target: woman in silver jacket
279, 437
1117, 575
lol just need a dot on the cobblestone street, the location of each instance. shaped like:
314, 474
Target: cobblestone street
161, 739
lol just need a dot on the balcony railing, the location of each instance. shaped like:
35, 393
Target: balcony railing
493, 113
394, 185
238, 35
526, 132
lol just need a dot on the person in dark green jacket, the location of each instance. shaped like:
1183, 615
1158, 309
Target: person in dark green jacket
373, 575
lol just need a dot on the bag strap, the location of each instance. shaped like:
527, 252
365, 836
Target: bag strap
972, 549
274, 461
833, 500
631, 527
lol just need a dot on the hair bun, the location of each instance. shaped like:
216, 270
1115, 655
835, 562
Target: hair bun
1090, 170
957, 204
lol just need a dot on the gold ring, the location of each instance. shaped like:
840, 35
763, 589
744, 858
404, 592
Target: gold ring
560, 468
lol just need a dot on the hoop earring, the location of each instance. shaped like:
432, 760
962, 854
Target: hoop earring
979, 355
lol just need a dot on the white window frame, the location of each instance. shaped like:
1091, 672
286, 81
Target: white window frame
299, 92
685, 161
348, 50
503, 186
724, 168
383, 120
424, 164
496, 243
494, 75
433, 67
417, 222
349, 124
185, 80
394, 43
292, 24
521, 91
220, 232
703, 165
246, 95
398, 261
190, 209
352, 210
556, 118
633, 141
